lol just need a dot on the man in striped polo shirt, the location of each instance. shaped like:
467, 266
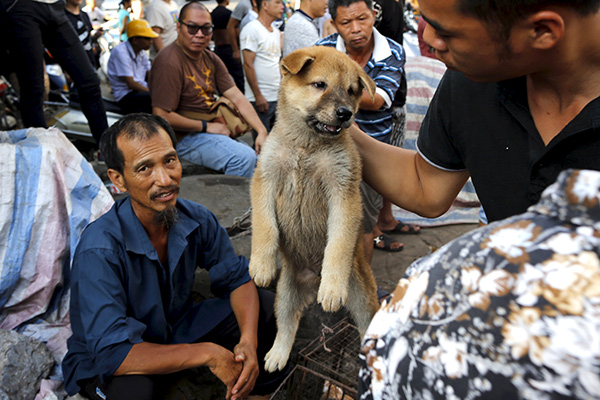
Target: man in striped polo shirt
383, 60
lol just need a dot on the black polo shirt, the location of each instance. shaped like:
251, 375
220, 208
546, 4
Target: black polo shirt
488, 130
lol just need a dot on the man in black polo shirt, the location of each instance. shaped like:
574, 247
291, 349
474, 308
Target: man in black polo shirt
519, 104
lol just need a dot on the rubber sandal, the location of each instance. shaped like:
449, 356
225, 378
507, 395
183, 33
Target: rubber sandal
387, 243
398, 229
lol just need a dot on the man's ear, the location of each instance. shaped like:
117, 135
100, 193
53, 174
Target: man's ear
117, 179
546, 29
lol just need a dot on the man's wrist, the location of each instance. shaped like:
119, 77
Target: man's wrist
262, 132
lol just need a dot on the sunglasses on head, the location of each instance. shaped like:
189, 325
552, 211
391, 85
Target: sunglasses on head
193, 29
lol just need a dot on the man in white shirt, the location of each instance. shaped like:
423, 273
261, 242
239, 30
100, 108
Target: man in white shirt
260, 43
162, 15
302, 29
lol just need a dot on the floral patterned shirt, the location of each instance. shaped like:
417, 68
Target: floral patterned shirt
507, 311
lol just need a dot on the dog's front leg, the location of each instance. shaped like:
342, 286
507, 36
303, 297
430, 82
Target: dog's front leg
342, 226
265, 234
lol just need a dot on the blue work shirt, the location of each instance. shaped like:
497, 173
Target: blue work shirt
385, 67
121, 294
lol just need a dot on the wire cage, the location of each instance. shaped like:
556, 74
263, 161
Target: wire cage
335, 354
304, 384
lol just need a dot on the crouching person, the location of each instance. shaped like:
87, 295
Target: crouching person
133, 319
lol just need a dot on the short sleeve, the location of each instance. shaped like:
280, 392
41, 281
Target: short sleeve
222, 76
242, 8
435, 142
165, 85
249, 40
121, 64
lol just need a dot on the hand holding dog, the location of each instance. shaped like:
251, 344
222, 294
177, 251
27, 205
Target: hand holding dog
245, 354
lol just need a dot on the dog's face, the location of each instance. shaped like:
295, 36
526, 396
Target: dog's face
323, 86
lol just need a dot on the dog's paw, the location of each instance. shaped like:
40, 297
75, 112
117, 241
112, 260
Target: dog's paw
276, 359
332, 297
262, 272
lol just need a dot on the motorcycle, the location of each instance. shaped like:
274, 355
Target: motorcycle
9, 106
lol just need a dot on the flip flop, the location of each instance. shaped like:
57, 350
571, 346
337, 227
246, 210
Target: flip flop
387, 243
398, 229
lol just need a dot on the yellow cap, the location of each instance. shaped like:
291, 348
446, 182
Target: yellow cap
140, 27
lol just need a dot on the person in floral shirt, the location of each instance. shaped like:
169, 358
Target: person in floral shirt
507, 311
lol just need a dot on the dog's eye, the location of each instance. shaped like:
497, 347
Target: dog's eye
351, 91
320, 85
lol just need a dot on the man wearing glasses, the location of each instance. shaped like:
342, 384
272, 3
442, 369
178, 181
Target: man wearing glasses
186, 81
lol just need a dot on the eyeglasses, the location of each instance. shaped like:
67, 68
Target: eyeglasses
193, 29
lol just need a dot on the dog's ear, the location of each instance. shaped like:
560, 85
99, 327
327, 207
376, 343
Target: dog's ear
367, 83
295, 61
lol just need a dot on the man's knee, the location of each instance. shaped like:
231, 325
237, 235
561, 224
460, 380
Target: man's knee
242, 164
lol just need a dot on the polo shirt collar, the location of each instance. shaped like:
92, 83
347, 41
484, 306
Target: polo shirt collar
308, 17
381, 50
129, 49
513, 93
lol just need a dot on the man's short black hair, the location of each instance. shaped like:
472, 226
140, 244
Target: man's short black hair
191, 4
501, 15
140, 126
334, 4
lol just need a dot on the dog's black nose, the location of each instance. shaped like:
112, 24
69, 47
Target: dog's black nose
343, 113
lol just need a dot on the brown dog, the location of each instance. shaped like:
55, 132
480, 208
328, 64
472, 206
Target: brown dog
306, 200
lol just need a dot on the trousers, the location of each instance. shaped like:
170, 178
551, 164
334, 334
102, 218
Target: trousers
226, 334
34, 25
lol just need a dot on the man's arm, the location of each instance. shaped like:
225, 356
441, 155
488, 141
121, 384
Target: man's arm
184, 124
232, 31
245, 108
133, 85
157, 42
405, 178
246, 305
262, 105
156, 359
371, 105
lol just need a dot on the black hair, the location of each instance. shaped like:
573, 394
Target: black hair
138, 125
191, 4
333, 5
501, 15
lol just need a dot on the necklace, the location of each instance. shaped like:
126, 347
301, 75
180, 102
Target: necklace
268, 26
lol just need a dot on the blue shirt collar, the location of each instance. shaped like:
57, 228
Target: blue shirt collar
137, 241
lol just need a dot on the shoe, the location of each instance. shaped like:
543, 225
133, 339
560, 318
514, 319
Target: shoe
387, 243
399, 229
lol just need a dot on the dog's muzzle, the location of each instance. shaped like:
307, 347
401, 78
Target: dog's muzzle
343, 117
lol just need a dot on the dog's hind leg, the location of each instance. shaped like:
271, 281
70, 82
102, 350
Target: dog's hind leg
363, 303
291, 300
